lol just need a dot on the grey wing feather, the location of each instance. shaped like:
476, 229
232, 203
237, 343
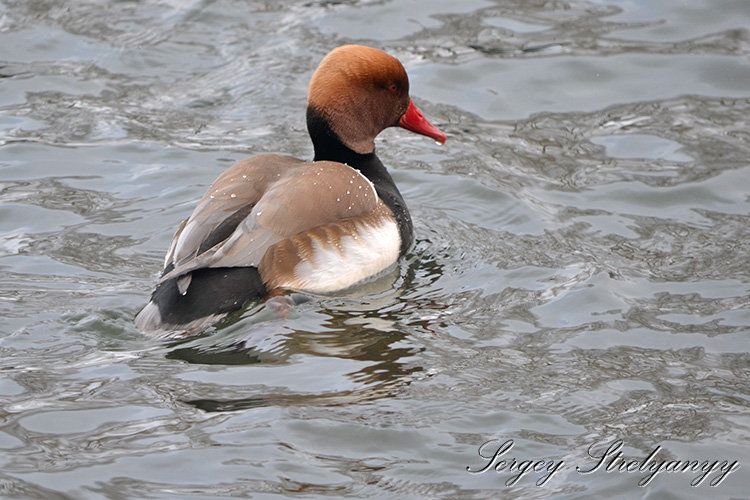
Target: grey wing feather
242, 185
321, 193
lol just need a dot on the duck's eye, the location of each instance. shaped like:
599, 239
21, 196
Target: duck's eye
393, 87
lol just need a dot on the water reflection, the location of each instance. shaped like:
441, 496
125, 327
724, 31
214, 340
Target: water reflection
382, 356
364, 330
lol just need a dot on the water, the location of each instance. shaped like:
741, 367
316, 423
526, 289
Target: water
580, 275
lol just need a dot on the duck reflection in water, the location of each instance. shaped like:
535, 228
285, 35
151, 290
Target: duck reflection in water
343, 336
375, 328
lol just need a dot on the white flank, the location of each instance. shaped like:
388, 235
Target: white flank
371, 250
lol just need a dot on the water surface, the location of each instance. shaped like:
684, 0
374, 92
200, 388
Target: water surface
580, 274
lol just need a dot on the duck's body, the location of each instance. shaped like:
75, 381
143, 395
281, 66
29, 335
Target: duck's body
273, 222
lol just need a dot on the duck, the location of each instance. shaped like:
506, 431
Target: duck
273, 224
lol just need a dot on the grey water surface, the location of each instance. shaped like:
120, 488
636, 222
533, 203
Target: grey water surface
581, 274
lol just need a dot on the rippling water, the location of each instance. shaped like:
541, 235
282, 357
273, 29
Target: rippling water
580, 275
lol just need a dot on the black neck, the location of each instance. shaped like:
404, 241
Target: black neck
328, 146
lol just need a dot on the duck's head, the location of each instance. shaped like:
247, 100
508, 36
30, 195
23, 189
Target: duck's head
360, 91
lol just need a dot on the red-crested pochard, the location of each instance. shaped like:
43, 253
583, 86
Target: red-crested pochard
274, 222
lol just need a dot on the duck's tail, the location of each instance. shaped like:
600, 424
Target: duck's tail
210, 295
